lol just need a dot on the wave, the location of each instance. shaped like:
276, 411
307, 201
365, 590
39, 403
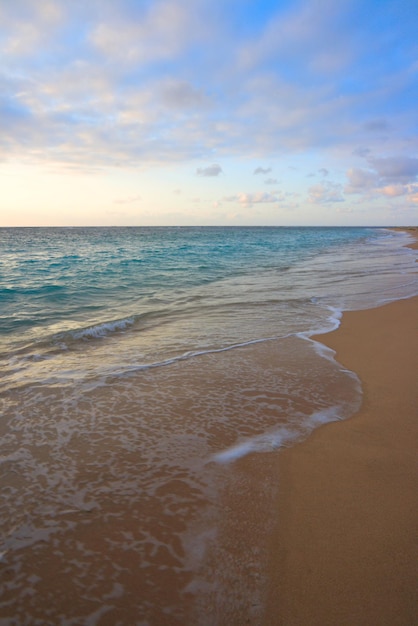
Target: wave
184, 308
98, 331
286, 436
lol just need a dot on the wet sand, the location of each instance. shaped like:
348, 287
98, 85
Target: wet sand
345, 551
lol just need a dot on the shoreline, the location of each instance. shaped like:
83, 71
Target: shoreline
344, 551
147, 521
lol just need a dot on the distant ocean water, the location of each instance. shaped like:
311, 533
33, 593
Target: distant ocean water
136, 364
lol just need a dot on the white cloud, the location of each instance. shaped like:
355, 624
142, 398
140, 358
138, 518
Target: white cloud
211, 170
394, 190
179, 94
388, 176
345, 210
28, 25
376, 126
262, 170
359, 180
408, 192
248, 199
361, 151
324, 193
158, 33
308, 33
400, 168
132, 83
413, 194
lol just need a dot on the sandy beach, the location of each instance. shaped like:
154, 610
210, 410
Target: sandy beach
153, 470
345, 551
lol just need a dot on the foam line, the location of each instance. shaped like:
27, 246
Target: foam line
102, 330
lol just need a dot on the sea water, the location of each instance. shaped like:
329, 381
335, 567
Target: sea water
137, 367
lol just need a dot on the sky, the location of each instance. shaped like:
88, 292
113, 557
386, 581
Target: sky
208, 112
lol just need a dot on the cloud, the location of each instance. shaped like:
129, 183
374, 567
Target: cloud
376, 126
290, 206
148, 33
13, 111
179, 94
395, 168
27, 26
211, 170
323, 171
271, 181
360, 180
305, 33
386, 175
324, 193
361, 152
345, 210
143, 83
262, 170
413, 193
248, 199
394, 190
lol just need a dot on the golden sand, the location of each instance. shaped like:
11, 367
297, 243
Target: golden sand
345, 551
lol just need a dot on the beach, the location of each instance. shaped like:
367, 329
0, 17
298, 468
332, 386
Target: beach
345, 551
181, 447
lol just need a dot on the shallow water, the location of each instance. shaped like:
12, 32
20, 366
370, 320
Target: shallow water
129, 396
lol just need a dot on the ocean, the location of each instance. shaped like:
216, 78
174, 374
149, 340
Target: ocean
139, 367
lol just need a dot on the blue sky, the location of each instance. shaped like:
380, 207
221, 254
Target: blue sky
148, 112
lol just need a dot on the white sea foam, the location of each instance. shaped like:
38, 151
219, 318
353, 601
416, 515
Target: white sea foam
333, 321
102, 330
191, 355
284, 436
266, 442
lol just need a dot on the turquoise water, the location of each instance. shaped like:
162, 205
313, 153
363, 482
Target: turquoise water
137, 367
158, 293
59, 279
